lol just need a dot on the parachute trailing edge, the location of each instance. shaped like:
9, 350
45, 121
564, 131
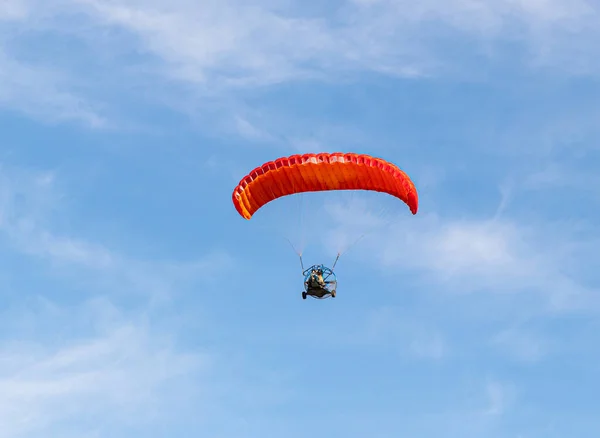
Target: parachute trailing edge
320, 172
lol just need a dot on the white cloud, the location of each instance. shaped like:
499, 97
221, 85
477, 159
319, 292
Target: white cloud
210, 43
493, 255
121, 372
91, 367
44, 93
215, 47
28, 203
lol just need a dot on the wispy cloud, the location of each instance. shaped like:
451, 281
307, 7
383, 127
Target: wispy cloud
249, 131
41, 92
209, 43
91, 366
28, 202
97, 338
547, 30
477, 255
209, 49
499, 396
120, 371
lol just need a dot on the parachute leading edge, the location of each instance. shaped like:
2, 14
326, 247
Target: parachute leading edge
321, 172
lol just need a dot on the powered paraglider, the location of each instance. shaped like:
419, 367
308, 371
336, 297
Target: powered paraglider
315, 173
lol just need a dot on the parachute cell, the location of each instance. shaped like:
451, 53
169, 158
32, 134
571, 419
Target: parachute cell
321, 172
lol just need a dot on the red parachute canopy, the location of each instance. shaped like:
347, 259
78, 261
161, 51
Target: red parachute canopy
320, 172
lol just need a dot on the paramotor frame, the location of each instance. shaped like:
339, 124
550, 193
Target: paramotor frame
329, 283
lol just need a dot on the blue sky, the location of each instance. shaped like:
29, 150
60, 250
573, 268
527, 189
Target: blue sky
136, 302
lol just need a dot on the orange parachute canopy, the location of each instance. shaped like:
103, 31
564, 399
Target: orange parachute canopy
320, 172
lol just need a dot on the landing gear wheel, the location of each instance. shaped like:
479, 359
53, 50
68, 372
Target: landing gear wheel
303, 295
333, 293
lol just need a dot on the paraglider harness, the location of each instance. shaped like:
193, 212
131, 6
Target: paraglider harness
319, 281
